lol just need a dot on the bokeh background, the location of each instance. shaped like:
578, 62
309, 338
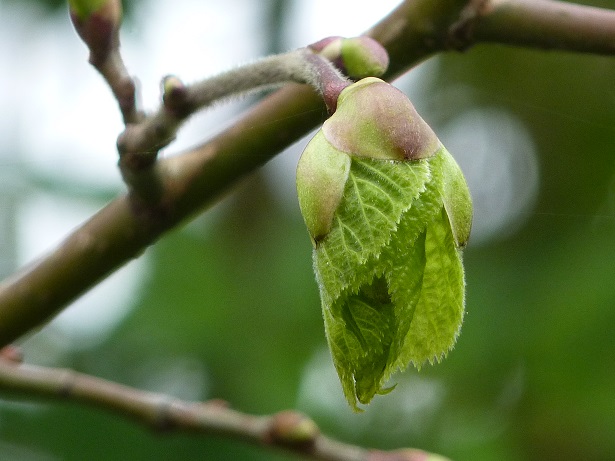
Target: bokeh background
227, 307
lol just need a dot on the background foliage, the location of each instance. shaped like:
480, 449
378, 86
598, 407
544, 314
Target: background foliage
230, 309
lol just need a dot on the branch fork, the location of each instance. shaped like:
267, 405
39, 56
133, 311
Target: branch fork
140, 143
145, 135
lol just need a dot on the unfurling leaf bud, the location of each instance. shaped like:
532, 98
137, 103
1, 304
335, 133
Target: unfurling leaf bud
388, 211
97, 22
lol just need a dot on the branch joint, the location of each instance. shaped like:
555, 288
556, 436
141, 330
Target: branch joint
461, 32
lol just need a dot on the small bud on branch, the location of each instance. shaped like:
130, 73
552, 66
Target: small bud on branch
174, 96
356, 57
291, 428
98, 23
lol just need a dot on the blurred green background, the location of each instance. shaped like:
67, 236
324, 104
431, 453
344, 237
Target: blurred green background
227, 306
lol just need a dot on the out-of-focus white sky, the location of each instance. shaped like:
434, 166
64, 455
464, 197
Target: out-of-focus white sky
60, 121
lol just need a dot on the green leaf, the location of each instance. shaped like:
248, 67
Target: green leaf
389, 271
376, 194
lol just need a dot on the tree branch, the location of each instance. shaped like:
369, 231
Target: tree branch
140, 142
286, 430
315, 65
189, 182
546, 24
98, 25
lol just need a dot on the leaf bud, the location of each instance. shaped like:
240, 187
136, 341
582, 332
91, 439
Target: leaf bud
97, 22
12, 354
357, 57
329, 47
363, 57
293, 428
175, 97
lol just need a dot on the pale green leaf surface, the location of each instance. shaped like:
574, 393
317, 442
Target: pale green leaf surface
390, 273
439, 312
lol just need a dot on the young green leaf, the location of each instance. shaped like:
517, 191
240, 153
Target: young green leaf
390, 274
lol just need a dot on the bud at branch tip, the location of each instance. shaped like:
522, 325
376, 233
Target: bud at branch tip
97, 22
357, 57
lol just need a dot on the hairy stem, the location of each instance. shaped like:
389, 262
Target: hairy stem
300, 66
140, 142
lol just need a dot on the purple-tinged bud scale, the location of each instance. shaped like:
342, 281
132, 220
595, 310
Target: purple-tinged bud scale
357, 57
376, 120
